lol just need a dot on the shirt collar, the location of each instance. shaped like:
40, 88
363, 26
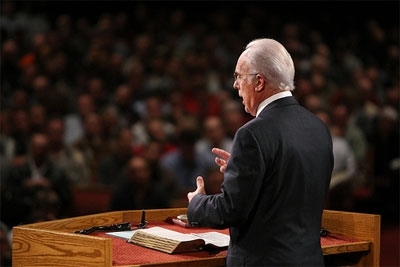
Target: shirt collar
271, 99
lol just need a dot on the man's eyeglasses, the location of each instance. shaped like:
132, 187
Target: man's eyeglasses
238, 75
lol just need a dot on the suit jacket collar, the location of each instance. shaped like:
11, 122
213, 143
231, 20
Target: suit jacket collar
285, 101
271, 99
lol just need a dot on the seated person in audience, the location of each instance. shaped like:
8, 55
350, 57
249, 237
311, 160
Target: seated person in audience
138, 189
93, 145
384, 165
152, 116
65, 156
111, 167
23, 182
233, 117
214, 136
344, 168
74, 122
179, 165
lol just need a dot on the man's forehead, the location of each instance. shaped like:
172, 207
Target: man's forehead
242, 62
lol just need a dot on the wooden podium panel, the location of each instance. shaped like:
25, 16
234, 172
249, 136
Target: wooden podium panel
53, 243
361, 226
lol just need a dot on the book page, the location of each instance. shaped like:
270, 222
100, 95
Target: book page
122, 234
166, 233
215, 238
158, 231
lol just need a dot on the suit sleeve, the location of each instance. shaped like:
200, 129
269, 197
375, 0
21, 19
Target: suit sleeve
242, 181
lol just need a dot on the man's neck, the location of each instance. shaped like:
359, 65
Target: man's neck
271, 99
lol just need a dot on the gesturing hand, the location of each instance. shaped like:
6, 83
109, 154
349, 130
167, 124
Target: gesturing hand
199, 190
222, 159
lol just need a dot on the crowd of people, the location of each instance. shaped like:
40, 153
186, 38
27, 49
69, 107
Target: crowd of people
135, 99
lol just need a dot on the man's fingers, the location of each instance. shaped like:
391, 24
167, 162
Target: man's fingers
221, 153
220, 162
222, 169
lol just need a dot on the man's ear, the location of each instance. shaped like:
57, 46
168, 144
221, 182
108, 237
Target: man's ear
261, 82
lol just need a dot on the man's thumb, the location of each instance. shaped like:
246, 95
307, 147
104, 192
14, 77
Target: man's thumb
200, 184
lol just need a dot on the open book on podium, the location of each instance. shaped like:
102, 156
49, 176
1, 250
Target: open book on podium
172, 242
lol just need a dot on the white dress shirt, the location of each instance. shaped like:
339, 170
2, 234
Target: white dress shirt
271, 99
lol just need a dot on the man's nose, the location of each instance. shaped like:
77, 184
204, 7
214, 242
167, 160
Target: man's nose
235, 86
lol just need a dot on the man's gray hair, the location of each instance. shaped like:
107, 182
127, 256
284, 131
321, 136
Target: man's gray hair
271, 59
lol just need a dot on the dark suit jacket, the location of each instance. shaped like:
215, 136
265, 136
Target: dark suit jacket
274, 189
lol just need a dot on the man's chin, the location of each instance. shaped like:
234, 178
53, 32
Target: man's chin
247, 110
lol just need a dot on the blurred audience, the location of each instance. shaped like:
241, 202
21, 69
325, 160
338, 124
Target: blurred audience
38, 117
111, 167
66, 157
20, 131
233, 117
35, 188
138, 189
213, 135
92, 144
343, 125
116, 85
74, 121
180, 165
7, 142
153, 122
344, 167
384, 164
5, 246
123, 99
